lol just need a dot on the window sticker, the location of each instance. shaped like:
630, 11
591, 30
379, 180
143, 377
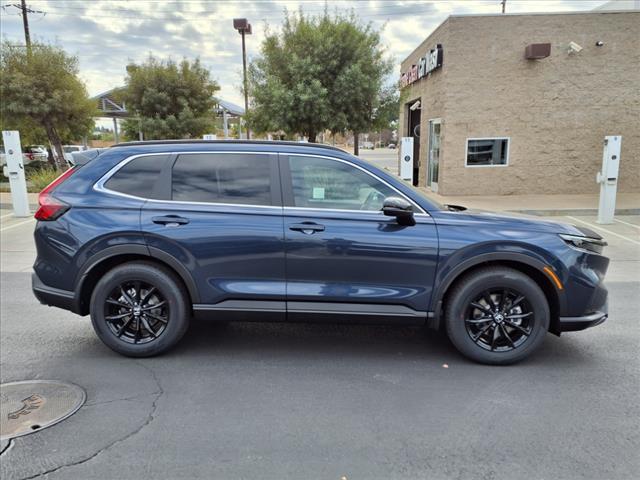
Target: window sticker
318, 193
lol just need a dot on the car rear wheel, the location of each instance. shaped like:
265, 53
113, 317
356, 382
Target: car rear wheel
139, 309
496, 316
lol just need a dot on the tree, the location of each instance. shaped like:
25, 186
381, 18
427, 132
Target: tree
319, 73
171, 100
42, 87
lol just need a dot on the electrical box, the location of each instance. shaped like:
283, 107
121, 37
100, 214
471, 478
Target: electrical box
406, 158
608, 178
15, 171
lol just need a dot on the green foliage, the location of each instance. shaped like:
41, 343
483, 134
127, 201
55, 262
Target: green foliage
171, 100
30, 132
41, 177
319, 73
41, 91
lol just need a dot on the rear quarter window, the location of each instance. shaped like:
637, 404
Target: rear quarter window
139, 177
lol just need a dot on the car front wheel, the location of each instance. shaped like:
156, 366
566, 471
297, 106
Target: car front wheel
496, 315
139, 309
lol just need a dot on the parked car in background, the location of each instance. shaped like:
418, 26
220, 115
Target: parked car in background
31, 155
69, 149
368, 145
36, 152
391, 145
144, 235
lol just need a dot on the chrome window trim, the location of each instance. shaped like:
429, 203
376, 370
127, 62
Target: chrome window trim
99, 186
421, 212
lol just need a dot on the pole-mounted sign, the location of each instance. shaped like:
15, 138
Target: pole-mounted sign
15, 169
608, 178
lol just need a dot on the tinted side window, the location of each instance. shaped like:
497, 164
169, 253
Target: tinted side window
324, 183
222, 178
138, 177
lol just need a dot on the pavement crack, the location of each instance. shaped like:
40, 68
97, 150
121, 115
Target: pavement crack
124, 399
6, 448
149, 419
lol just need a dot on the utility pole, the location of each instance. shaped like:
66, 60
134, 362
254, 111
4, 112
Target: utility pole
244, 28
25, 23
504, 4
24, 11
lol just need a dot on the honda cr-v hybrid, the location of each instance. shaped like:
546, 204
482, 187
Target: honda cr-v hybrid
145, 236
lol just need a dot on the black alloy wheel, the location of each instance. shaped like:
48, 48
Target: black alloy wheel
140, 309
496, 315
136, 312
499, 319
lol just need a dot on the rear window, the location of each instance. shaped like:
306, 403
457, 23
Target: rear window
222, 178
138, 177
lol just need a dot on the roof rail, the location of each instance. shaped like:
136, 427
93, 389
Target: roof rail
241, 142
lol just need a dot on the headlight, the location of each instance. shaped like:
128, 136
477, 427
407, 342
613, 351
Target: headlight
591, 245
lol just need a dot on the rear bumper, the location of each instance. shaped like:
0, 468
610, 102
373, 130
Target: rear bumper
52, 296
574, 324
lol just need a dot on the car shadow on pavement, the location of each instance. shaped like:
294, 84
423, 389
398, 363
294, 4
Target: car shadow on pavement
280, 340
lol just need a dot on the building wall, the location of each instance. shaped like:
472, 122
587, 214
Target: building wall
430, 91
556, 110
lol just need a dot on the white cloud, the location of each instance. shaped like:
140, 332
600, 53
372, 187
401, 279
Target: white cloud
107, 34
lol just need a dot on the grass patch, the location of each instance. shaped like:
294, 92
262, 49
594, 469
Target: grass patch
40, 178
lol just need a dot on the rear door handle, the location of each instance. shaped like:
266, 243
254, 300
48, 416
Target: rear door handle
170, 220
307, 228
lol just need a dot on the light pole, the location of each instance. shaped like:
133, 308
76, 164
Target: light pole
244, 28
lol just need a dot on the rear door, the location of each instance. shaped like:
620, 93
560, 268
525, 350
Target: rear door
221, 217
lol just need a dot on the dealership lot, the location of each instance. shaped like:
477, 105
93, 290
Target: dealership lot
318, 401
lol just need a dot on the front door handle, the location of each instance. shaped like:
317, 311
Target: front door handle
170, 220
307, 228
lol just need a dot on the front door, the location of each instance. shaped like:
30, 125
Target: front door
222, 219
434, 154
343, 256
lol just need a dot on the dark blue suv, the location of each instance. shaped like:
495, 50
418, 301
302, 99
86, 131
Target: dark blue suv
144, 236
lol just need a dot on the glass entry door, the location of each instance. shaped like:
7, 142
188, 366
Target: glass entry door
434, 154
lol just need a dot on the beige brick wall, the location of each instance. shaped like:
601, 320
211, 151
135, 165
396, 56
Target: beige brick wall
431, 91
556, 110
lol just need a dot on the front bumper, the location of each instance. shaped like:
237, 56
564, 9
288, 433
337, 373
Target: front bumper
51, 296
574, 324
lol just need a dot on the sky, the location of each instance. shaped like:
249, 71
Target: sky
106, 35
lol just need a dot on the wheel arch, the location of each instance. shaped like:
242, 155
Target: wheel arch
531, 267
111, 257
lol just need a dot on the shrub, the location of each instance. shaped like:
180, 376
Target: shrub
40, 178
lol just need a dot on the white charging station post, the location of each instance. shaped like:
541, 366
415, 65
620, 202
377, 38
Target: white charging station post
608, 178
406, 158
17, 181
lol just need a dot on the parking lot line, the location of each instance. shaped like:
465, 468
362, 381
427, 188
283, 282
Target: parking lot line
627, 223
16, 225
605, 230
7, 215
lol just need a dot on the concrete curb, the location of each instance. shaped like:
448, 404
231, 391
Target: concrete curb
575, 212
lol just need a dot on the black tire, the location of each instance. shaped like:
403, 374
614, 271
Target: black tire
490, 330
162, 314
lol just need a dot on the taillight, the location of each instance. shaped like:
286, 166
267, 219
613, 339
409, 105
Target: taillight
50, 207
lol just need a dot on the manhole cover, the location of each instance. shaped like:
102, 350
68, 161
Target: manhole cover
29, 406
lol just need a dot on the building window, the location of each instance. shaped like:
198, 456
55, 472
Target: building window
487, 152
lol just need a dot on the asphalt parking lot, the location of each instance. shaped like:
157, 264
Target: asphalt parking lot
327, 402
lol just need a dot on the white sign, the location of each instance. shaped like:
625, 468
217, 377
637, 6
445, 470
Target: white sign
608, 178
15, 169
209, 136
406, 158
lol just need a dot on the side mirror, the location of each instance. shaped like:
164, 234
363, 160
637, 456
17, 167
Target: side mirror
400, 208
